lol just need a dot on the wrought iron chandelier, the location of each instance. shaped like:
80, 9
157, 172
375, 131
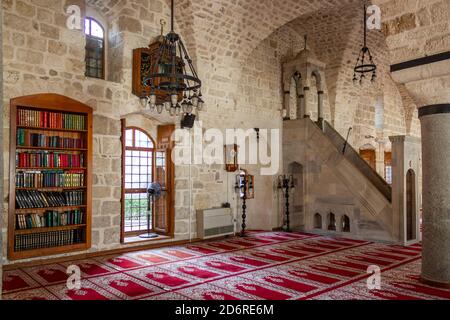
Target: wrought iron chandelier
173, 77
364, 64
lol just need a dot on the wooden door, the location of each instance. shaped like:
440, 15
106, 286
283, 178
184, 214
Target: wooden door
410, 205
162, 204
163, 222
370, 157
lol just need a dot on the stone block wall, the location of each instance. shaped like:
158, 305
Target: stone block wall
42, 55
415, 28
55, 63
239, 62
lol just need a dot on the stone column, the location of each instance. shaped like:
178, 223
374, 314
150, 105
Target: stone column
435, 122
301, 106
306, 93
405, 157
320, 106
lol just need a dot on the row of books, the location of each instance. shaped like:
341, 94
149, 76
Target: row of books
53, 120
40, 159
49, 179
23, 242
30, 199
49, 219
26, 139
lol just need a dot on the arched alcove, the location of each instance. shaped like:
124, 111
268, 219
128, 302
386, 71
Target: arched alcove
297, 171
317, 221
411, 217
331, 222
345, 223
317, 92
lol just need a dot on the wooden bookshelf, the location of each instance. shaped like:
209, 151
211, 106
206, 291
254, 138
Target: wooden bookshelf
48, 134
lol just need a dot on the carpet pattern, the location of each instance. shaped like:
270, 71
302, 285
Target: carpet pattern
263, 266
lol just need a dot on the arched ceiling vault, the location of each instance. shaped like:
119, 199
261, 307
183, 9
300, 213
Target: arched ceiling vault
221, 34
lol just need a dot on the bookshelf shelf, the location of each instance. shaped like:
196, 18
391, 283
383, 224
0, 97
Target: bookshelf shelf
32, 253
52, 188
51, 129
38, 121
21, 211
40, 230
48, 148
50, 168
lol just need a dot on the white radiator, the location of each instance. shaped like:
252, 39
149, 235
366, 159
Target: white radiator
214, 223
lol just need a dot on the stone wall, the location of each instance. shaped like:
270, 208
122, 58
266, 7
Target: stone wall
42, 55
415, 28
238, 56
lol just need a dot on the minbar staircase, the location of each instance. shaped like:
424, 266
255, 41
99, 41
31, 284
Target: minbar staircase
353, 156
337, 182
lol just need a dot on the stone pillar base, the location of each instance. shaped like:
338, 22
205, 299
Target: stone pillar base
435, 283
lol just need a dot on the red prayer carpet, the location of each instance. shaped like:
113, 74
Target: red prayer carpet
264, 265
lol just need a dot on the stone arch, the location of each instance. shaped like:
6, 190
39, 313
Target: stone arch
318, 221
315, 74
368, 146
295, 168
318, 77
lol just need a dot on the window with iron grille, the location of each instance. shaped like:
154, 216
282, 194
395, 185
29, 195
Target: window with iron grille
95, 49
139, 165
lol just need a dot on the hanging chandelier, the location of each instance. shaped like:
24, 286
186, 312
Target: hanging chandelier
364, 64
174, 83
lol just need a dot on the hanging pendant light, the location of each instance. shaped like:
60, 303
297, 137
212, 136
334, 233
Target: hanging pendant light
173, 75
364, 64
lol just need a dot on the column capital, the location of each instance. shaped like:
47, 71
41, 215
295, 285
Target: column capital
434, 109
402, 139
396, 139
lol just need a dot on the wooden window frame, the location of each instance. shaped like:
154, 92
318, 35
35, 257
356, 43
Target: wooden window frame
103, 77
125, 191
387, 163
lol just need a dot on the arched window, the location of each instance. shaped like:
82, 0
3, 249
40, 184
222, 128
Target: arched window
95, 49
139, 163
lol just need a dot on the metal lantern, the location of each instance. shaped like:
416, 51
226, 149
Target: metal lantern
364, 65
175, 76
